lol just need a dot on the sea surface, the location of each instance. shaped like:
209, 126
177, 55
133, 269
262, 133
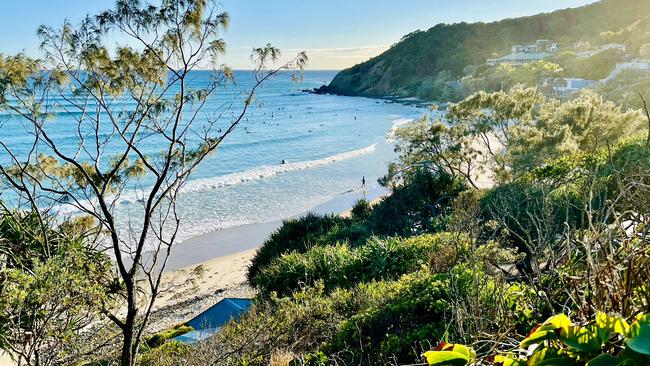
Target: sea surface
328, 143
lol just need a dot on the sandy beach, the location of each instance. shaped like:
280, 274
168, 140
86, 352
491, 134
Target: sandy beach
208, 268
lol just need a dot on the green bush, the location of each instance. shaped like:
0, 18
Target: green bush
342, 266
156, 340
421, 309
416, 206
295, 235
167, 354
531, 217
361, 210
372, 322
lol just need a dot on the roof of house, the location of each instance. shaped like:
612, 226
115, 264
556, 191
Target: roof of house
525, 56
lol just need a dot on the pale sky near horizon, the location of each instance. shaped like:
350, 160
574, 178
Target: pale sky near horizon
335, 33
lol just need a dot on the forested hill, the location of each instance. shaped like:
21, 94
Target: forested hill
448, 48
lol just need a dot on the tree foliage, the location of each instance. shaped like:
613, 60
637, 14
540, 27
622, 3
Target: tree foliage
122, 99
49, 293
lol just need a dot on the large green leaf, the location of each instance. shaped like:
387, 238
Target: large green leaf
508, 361
538, 337
605, 360
585, 339
640, 344
550, 357
446, 358
559, 322
613, 324
639, 340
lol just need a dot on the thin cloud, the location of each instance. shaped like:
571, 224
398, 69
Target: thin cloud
346, 52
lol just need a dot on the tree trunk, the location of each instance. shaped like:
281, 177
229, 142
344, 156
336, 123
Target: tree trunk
129, 343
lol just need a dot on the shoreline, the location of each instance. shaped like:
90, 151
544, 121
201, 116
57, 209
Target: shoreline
238, 239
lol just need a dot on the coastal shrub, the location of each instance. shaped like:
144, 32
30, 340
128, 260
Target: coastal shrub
356, 234
361, 210
626, 175
166, 354
416, 206
294, 235
26, 237
52, 284
371, 323
424, 309
531, 218
394, 327
156, 340
43, 307
343, 266
617, 174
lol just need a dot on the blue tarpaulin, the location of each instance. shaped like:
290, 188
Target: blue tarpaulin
209, 322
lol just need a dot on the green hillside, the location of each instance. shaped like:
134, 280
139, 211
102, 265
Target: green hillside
446, 49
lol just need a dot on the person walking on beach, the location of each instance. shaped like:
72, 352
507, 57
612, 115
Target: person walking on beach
363, 182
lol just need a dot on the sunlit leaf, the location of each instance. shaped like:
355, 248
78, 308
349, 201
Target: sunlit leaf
585, 339
613, 324
639, 340
538, 337
550, 357
446, 358
508, 361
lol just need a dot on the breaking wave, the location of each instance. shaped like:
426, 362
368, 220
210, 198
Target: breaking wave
268, 171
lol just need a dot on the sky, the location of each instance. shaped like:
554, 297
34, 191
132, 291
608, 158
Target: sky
335, 33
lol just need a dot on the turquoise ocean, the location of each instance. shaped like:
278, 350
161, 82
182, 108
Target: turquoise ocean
328, 143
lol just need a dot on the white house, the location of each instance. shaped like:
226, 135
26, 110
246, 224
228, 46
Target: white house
540, 46
614, 46
519, 59
517, 48
566, 86
638, 65
525, 54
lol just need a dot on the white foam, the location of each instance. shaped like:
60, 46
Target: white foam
268, 171
397, 124
255, 174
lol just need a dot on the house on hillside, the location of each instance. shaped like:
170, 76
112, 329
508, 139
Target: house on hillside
566, 86
635, 65
525, 54
519, 59
614, 46
540, 46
